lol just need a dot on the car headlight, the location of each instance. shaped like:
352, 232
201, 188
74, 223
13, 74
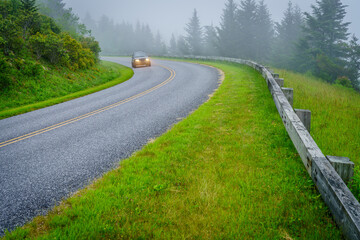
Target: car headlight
137, 60
147, 59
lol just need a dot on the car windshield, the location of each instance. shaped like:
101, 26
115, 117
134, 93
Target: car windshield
140, 54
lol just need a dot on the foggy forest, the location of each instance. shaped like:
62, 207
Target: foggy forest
318, 41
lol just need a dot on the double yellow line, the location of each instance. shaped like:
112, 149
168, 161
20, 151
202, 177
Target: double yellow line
55, 126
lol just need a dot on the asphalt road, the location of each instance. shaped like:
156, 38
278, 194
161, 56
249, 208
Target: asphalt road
46, 155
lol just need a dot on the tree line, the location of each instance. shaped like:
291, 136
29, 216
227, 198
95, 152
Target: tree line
124, 38
317, 42
36, 35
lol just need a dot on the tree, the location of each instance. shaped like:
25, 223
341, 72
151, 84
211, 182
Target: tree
29, 17
288, 32
182, 46
326, 34
28, 6
246, 19
11, 41
211, 41
264, 33
159, 47
194, 34
354, 62
173, 45
325, 29
64, 17
228, 31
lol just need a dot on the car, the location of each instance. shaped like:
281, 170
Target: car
140, 59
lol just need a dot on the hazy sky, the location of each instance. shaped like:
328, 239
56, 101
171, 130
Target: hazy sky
170, 16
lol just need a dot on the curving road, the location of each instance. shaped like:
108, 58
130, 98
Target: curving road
47, 154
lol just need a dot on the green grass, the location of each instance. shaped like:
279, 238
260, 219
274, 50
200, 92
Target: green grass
335, 117
228, 171
60, 85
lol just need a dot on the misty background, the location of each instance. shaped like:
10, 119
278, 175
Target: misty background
309, 36
170, 16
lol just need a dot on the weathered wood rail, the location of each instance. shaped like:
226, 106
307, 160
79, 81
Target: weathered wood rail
341, 202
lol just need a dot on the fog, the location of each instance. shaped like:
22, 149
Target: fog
170, 16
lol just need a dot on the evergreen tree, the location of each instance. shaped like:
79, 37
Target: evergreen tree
90, 23
264, 33
288, 32
211, 41
105, 34
28, 6
173, 45
246, 18
325, 34
194, 36
52, 8
68, 21
228, 30
354, 62
325, 29
182, 46
28, 20
159, 47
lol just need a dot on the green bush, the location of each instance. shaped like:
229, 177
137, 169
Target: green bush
38, 44
80, 57
11, 40
54, 48
344, 81
5, 69
92, 44
31, 69
327, 69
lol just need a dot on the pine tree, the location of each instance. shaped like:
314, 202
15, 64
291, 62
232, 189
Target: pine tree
326, 34
288, 32
28, 20
90, 23
182, 45
246, 18
228, 30
63, 16
325, 29
211, 41
264, 33
159, 47
28, 6
194, 36
52, 8
173, 45
354, 62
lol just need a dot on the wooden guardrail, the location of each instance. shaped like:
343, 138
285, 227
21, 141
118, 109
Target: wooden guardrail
341, 202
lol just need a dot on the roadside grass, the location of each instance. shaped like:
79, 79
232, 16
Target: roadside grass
60, 85
228, 171
335, 117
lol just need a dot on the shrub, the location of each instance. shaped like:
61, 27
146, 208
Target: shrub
38, 44
92, 44
328, 69
31, 69
80, 57
54, 48
344, 81
11, 40
5, 70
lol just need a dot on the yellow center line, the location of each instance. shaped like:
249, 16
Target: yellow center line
58, 125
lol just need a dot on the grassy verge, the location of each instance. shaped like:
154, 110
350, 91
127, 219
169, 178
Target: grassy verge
335, 117
60, 85
228, 171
